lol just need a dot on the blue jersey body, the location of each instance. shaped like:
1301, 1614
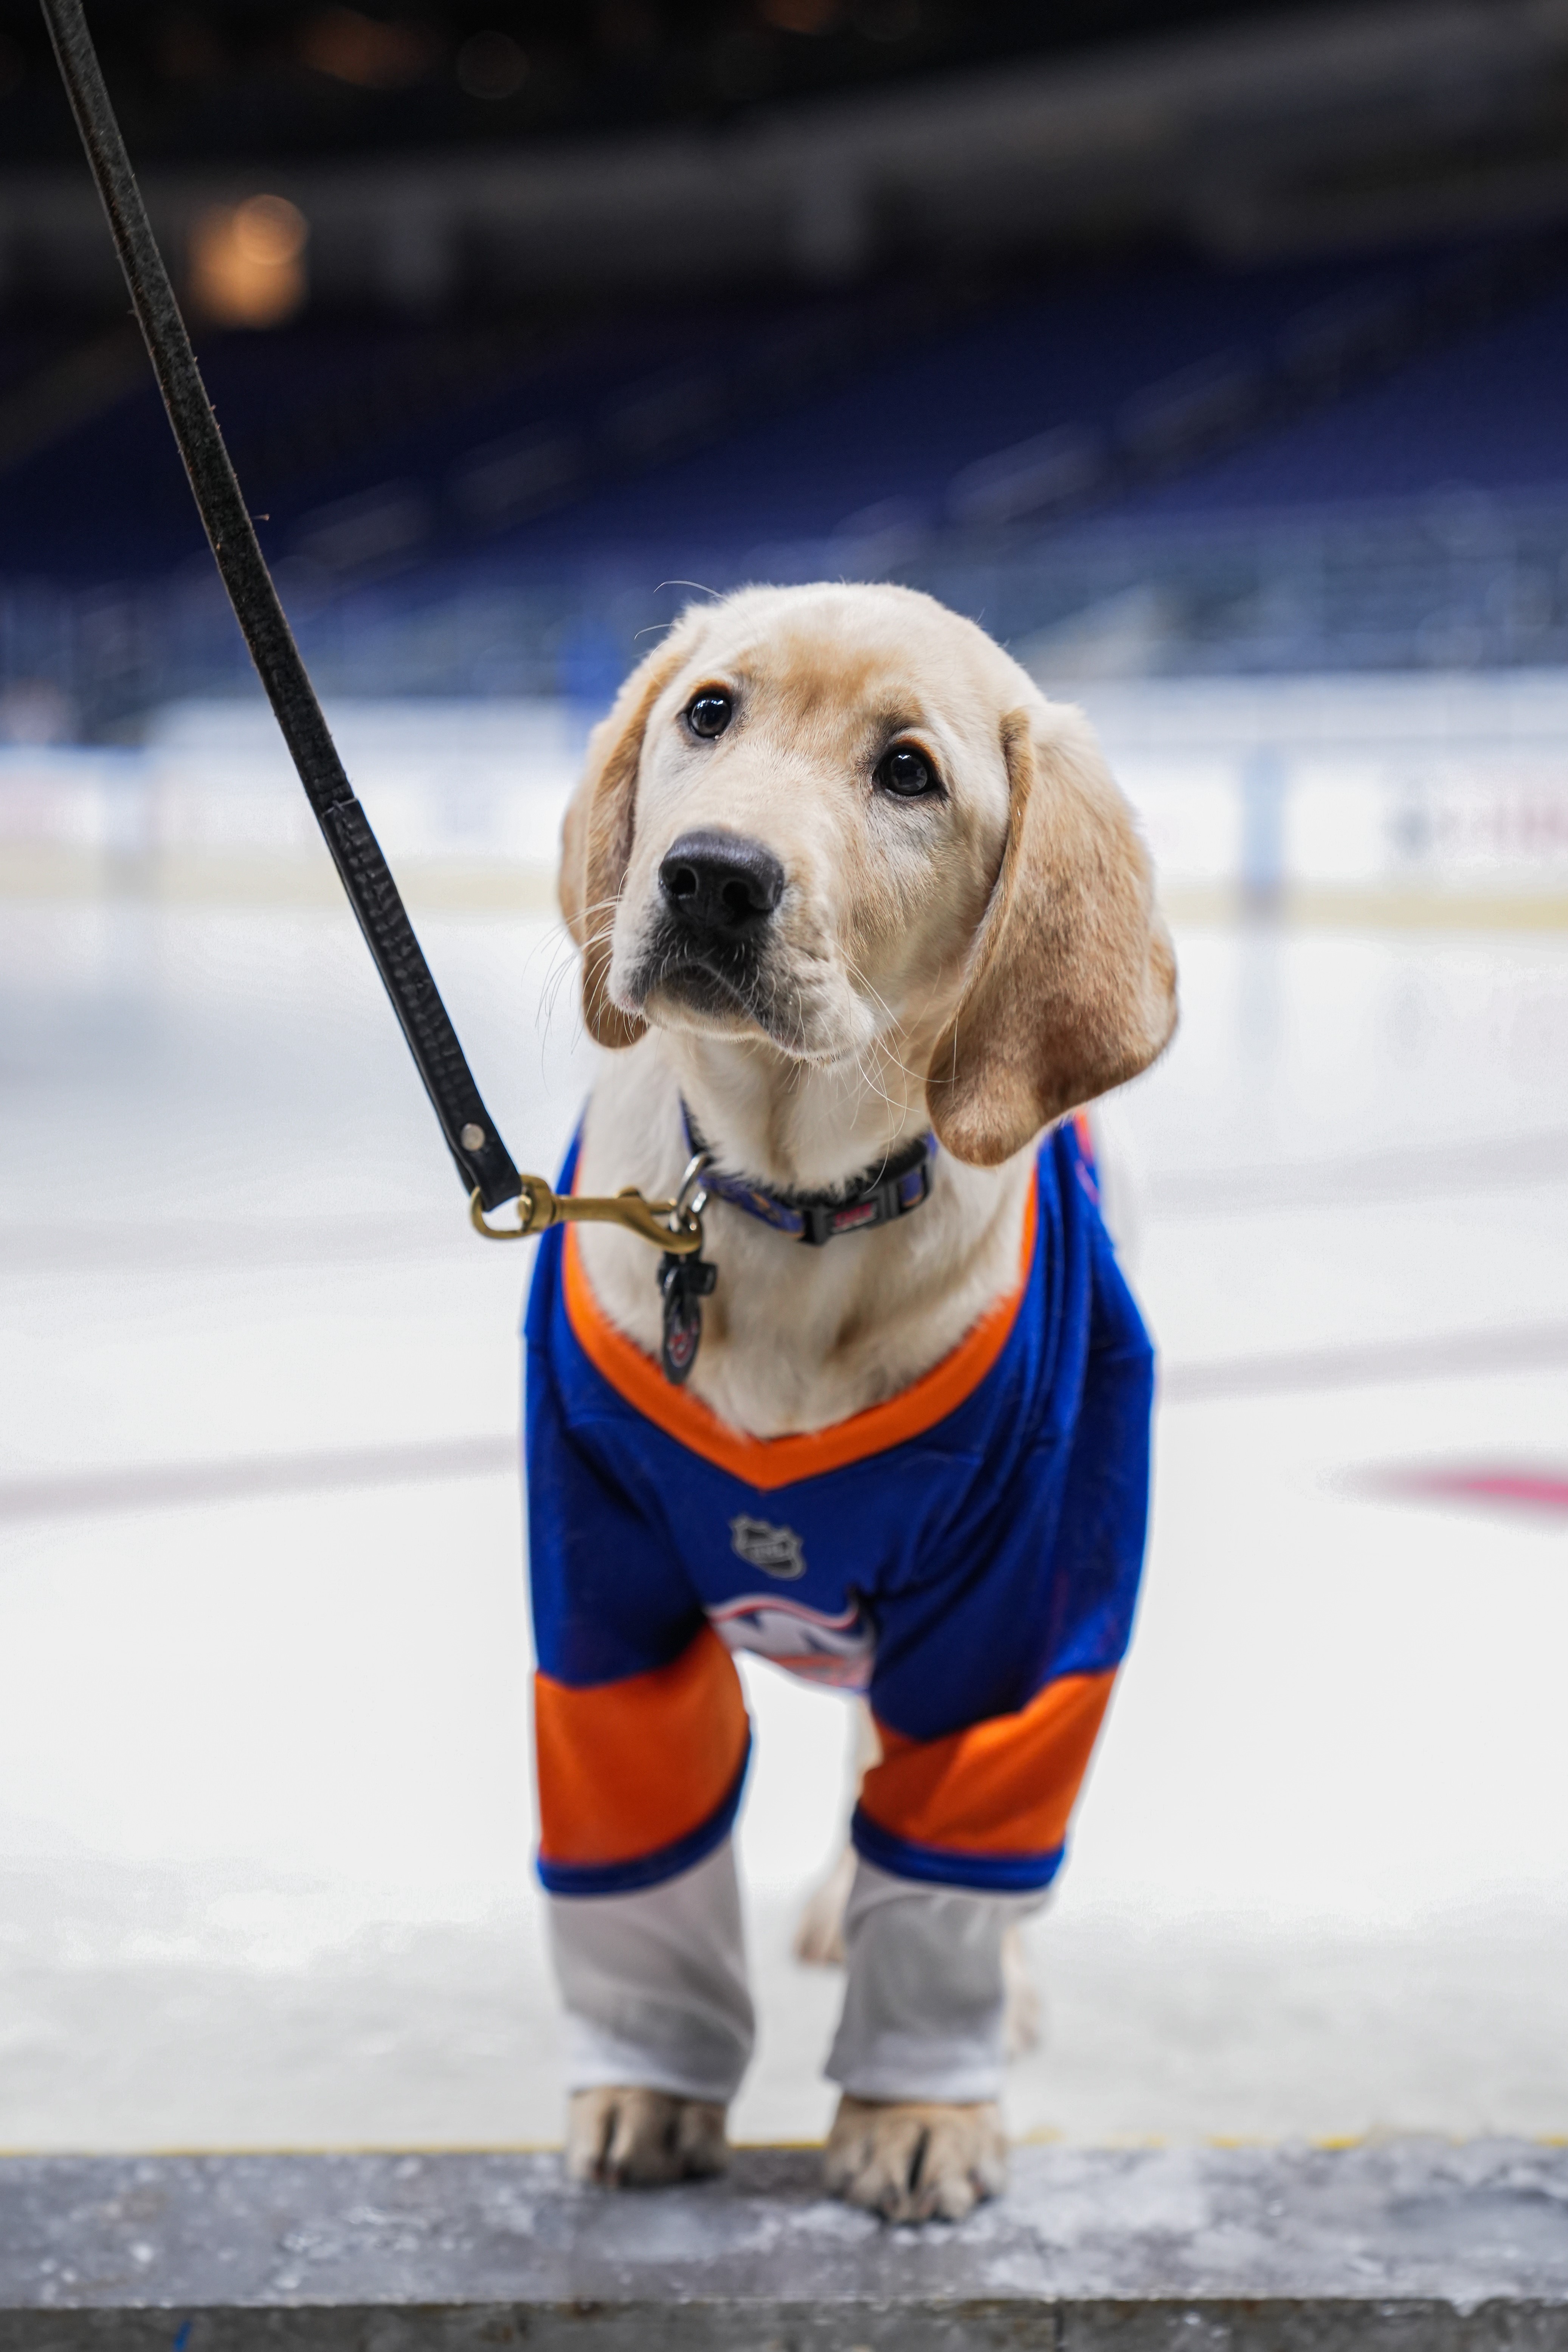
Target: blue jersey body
968, 1555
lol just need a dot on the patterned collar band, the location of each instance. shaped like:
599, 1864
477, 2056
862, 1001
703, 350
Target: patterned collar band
877, 1196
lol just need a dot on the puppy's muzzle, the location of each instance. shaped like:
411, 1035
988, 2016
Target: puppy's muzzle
719, 888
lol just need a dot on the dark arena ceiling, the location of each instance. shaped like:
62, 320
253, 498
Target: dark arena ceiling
422, 159
232, 79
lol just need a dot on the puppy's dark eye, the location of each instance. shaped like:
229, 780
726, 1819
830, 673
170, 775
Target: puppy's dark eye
907, 772
710, 713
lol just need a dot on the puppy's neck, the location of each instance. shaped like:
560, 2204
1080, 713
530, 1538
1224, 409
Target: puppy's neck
793, 1126
793, 1338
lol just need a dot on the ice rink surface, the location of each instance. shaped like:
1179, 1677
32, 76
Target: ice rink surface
265, 1812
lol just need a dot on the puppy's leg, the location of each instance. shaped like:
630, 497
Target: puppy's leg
819, 1933
1022, 2013
919, 2051
660, 2024
619, 2138
819, 1937
819, 1942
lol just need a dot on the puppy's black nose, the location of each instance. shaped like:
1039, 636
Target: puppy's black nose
721, 884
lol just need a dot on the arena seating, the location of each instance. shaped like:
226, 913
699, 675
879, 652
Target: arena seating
1484, 411
786, 422
396, 468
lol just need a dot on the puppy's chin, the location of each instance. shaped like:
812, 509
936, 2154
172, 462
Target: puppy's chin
724, 992
748, 1004
691, 996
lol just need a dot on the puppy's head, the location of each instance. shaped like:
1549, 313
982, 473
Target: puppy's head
842, 820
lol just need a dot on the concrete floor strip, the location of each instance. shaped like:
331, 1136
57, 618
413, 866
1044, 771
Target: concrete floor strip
1262, 2250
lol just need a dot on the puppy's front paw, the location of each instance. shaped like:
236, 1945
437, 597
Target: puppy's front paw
915, 2161
628, 2138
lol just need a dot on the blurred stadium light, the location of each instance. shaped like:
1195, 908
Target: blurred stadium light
247, 262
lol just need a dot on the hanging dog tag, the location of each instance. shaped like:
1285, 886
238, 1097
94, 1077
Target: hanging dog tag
685, 1282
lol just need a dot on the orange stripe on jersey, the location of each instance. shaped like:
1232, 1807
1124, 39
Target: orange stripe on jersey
629, 1767
769, 1462
1004, 1786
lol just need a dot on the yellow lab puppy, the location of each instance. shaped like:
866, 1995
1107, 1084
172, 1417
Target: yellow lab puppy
863, 917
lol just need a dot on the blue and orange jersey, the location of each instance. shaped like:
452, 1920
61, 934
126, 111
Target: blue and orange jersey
967, 1554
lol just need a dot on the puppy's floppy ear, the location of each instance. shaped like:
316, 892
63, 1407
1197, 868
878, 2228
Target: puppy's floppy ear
596, 834
1072, 978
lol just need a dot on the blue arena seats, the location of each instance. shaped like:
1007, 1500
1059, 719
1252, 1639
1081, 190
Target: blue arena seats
799, 421
396, 468
1487, 412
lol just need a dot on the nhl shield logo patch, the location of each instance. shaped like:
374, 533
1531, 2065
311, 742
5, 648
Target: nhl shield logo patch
777, 1551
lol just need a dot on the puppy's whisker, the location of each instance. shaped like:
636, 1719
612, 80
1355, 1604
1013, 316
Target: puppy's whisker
862, 980
881, 1044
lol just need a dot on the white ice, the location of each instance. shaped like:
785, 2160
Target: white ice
265, 1813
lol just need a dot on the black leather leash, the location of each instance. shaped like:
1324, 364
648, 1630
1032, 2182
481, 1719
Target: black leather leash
482, 1158
674, 1227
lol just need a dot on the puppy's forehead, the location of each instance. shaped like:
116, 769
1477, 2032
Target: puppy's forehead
806, 677
840, 656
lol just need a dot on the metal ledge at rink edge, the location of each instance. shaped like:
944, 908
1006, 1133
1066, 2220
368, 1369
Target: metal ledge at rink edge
1417, 2244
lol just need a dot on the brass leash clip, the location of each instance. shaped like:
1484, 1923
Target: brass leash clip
674, 1226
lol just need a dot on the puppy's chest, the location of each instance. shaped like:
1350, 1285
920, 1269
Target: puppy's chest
792, 1339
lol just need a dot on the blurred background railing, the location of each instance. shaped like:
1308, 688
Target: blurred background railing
1454, 579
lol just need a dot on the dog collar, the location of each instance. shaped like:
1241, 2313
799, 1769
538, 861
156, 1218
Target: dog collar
877, 1196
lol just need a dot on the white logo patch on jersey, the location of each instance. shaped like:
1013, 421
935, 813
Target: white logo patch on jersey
777, 1551
806, 1642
